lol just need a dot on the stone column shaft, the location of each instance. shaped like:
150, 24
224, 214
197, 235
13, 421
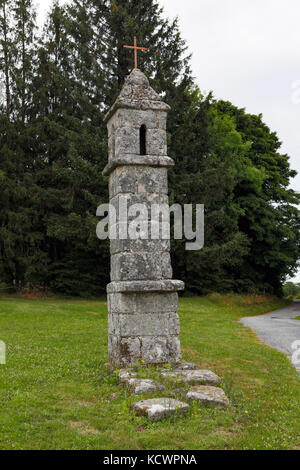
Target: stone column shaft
143, 323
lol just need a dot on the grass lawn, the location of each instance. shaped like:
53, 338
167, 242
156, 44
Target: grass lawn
56, 393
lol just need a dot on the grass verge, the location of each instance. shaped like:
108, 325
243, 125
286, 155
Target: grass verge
56, 393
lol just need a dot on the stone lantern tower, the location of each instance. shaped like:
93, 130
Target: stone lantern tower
143, 324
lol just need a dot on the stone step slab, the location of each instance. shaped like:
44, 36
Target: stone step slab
156, 409
187, 366
197, 377
143, 386
126, 374
208, 394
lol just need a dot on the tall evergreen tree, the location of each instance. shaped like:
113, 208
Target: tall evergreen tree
5, 54
68, 123
75, 85
20, 230
24, 17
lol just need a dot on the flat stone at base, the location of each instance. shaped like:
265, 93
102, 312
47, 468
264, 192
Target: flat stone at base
158, 408
126, 374
193, 376
187, 366
206, 394
142, 386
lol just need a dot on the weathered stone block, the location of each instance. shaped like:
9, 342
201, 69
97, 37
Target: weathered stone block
143, 386
111, 147
149, 245
140, 245
127, 140
113, 325
119, 246
143, 324
156, 303
123, 204
166, 267
174, 350
140, 179
162, 120
119, 231
154, 161
130, 350
152, 180
156, 142
111, 126
151, 302
187, 366
114, 350
126, 267
155, 349
122, 180
174, 328
136, 118
122, 303
126, 374
158, 408
206, 394
193, 376
147, 286
124, 352
140, 266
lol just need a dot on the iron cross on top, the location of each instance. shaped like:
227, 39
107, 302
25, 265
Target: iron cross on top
135, 51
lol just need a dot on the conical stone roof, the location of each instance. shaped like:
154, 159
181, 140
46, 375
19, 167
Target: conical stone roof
137, 94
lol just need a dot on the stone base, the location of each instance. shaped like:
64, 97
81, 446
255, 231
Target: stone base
143, 327
124, 352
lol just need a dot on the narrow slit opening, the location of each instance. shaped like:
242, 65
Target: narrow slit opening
143, 140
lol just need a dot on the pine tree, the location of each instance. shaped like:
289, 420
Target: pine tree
20, 226
24, 17
67, 118
6, 54
74, 84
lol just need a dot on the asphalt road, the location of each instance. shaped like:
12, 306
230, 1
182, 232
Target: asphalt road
279, 330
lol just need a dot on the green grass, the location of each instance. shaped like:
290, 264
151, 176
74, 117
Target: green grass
56, 393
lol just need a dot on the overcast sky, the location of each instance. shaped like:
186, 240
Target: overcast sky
246, 51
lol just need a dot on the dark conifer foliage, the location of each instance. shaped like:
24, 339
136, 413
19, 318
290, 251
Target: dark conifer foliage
55, 89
